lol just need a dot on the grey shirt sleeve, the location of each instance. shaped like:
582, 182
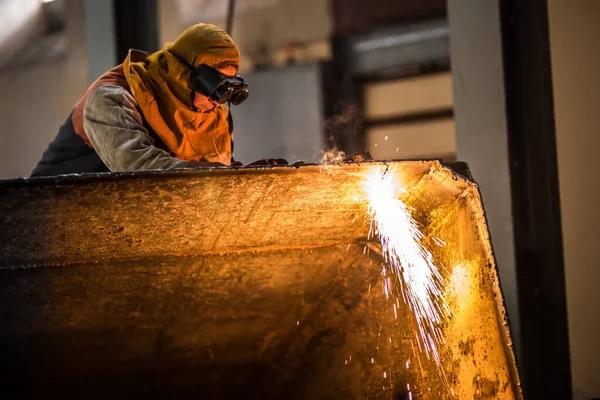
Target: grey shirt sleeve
114, 127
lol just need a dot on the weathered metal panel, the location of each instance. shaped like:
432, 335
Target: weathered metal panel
226, 283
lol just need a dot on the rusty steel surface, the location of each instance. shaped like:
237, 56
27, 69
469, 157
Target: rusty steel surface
229, 283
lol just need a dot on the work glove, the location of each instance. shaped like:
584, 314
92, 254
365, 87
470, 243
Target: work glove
196, 164
358, 157
268, 161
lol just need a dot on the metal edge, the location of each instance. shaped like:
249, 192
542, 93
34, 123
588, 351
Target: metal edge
499, 300
182, 172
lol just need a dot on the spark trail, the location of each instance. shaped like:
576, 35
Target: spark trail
410, 263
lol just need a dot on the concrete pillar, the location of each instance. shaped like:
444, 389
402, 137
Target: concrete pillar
574, 33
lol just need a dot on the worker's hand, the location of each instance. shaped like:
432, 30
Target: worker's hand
268, 161
196, 164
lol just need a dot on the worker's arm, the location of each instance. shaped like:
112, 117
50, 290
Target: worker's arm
114, 127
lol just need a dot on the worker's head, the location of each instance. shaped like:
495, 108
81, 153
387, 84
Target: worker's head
212, 58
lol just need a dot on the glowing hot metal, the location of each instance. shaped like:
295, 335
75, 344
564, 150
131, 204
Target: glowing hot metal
256, 293
418, 278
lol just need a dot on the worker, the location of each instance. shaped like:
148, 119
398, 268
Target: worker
155, 111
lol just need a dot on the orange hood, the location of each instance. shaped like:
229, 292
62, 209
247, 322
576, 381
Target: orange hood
161, 85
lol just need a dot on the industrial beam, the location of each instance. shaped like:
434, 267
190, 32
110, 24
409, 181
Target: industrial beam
535, 200
136, 26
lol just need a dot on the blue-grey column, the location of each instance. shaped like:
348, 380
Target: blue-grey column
100, 37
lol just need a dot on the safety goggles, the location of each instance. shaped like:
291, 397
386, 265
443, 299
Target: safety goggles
218, 87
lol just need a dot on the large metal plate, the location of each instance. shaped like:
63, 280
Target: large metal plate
229, 283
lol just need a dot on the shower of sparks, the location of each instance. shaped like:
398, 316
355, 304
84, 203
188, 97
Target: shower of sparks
418, 278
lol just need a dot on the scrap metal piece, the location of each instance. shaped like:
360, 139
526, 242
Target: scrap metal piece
226, 283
